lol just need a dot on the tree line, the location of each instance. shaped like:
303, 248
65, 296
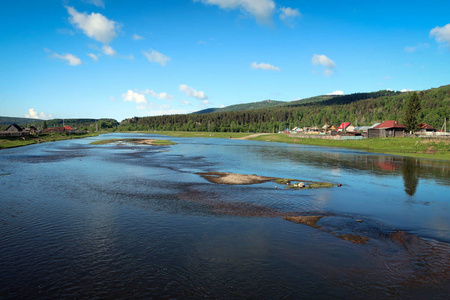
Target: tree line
359, 109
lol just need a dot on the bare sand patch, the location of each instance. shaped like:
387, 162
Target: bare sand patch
236, 179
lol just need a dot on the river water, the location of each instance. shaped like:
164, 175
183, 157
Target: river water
136, 221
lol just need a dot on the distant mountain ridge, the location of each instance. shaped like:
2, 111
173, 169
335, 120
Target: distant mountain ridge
321, 99
244, 106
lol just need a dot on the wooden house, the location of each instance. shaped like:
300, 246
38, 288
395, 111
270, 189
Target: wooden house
423, 127
387, 129
14, 128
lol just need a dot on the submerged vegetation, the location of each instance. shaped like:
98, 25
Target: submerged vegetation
135, 141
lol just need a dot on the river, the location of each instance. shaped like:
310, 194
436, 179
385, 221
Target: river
136, 221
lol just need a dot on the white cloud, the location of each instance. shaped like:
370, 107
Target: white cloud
264, 66
222, 105
32, 113
96, 26
204, 102
157, 57
328, 72
134, 97
406, 90
441, 34
141, 107
336, 93
93, 56
185, 102
108, 50
287, 12
137, 37
161, 96
324, 61
262, 10
288, 15
70, 58
98, 3
190, 92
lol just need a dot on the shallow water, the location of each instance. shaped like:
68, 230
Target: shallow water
135, 221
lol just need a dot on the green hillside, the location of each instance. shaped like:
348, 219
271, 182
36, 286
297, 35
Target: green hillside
85, 124
18, 121
244, 106
359, 109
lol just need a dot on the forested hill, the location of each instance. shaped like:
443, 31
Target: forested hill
85, 124
322, 99
18, 121
245, 106
359, 109
344, 99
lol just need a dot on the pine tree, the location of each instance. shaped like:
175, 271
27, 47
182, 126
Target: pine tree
412, 111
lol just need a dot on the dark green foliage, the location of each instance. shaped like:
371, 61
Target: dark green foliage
45, 126
245, 106
359, 109
19, 121
412, 112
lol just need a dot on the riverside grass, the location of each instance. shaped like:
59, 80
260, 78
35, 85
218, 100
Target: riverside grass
438, 149
405, 146
12, 142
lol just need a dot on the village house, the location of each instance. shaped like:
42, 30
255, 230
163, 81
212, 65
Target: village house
423, 128
58, 129
390, 128
346, 126
14, 128
326, 128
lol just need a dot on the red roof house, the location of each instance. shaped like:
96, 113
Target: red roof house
425, 127
390, 125
344, 126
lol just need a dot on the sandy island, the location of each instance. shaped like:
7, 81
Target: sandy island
243, 179
232, 178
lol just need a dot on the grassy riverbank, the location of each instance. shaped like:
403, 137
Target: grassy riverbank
413, 147
11, 142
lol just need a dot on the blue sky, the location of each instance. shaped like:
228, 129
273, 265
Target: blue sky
120, 59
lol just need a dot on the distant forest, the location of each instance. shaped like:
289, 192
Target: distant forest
82, 124
359, 109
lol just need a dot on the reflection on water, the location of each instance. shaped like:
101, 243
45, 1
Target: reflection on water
134, 221
410, 172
